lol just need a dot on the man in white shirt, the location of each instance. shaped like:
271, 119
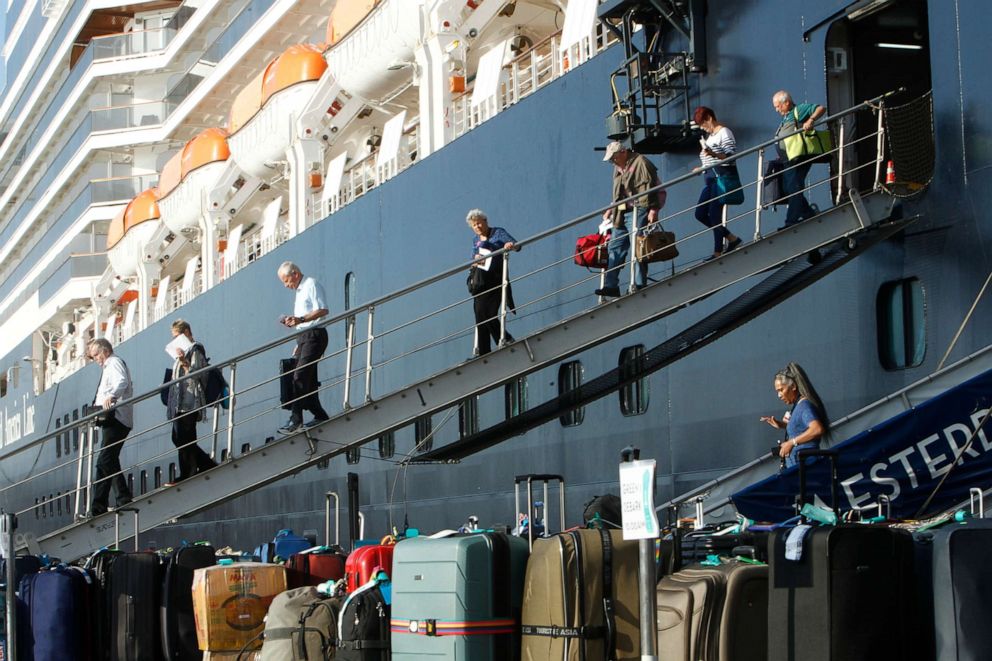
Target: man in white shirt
310, 306
115, 386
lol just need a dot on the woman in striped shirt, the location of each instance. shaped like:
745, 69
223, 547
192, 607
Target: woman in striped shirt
718, 145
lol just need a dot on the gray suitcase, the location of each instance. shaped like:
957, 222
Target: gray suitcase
458, 598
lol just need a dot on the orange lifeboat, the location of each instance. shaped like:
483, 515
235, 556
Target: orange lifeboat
130, 230
194, 168
262, 118
345, 17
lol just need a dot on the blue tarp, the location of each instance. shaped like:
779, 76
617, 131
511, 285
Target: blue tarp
903, 458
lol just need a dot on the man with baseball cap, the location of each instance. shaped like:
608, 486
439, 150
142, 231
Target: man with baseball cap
632, 175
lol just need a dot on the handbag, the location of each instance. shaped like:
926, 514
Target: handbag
728, 186
656, 247
591, 252
808, 144
476, 281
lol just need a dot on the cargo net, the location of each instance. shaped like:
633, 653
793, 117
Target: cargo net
910, 132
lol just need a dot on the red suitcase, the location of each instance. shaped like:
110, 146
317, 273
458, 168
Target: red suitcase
365, 560
315, 566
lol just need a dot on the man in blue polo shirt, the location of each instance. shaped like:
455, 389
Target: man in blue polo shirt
794, 117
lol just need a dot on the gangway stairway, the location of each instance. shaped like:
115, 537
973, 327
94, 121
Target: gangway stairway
287, 456
854, 217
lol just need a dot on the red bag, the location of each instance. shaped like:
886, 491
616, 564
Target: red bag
315, 567
590, 251
366, 559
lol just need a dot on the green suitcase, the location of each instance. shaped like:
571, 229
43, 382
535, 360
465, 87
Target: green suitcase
458, 598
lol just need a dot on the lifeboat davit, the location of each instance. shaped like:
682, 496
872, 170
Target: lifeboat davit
193, 170
130, 230
372, 45
263, 116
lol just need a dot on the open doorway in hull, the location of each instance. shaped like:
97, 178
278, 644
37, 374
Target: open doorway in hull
868, 53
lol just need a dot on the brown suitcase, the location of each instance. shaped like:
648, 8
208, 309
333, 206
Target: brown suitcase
565, 617
656, 247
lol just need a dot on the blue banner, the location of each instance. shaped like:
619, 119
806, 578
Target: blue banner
903, 458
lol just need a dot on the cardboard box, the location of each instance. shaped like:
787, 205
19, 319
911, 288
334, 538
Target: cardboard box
230, 603
231, 656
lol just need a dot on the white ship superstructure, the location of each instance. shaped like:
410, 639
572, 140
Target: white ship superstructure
151, 150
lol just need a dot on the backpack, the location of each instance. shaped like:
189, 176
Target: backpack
301, 624
607, 507
363, 628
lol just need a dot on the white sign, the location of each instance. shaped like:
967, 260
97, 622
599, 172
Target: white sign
637, 499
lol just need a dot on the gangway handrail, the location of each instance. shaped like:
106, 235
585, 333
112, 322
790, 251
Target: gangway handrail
425, 282
370, 307
898, 394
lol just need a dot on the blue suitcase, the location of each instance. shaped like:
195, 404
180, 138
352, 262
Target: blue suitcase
55, 616
283, 546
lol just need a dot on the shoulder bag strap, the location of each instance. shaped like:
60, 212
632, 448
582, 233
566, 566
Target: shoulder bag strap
608, 593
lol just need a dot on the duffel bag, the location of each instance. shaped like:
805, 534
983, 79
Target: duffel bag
590, 251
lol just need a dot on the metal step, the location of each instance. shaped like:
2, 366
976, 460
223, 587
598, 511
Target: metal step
548, 346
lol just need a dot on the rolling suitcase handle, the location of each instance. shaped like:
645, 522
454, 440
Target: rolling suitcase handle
830, 454
530, 479
117, 526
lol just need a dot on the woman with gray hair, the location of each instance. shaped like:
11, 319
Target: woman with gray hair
806, 424
487, 302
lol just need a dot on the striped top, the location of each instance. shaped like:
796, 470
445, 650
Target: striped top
721, 142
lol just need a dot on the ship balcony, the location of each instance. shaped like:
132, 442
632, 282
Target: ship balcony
72, 278
109, 55
97, 201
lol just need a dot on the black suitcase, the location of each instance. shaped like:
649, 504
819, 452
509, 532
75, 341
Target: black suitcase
178, 625
955, 580
286, 367
133, 595
848, 596
100, 564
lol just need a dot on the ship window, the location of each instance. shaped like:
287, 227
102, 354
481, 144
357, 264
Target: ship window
3, 384
468, 416
323, 464
172, 472
245, 448
67, 503
58, 440
58, 503
570, 378
515, 397
223, 455
37, 515
144, 481
387, 445
349, 300
44, 511
75, 430
634, 395
158, 477
901, 320
353, 455
423, 434
51, 504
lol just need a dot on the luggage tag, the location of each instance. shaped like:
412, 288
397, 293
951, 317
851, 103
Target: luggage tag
794, 542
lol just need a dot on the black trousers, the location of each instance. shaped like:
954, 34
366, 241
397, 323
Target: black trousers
192, 458
311, 346
109, 463
487, 318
